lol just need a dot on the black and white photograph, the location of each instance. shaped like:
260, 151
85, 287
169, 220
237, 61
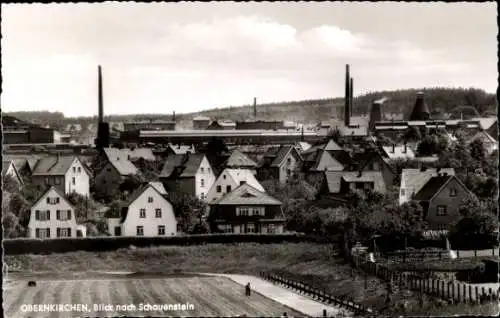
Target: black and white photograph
250, 159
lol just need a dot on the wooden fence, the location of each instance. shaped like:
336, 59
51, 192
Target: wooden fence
421, 256
318, 294
451, 291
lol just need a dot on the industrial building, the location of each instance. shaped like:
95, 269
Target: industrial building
16, 131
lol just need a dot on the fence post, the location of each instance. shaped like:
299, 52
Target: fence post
453, 291
475, 253
433, 284
477, 294
470, 293
465, 293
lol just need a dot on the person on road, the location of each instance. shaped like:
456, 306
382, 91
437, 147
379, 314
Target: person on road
248, 290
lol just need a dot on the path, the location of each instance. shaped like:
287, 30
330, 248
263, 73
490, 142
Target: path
284, 296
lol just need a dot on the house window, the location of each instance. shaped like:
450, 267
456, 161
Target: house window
202, 170
228, 188
224, 177
140, 231
42, 233
73, 180
453, 192
42, 215
403, 192
142, 213
289, 161
271, 228
243, 211
79, 169
150, 199
158, 213
226, 228
161, 229
74, 169
118, 231
202, 183
219, 189
63, 232
179, 228
63, 215
202, 196
242, 182
441, 210
258, 211
250, 228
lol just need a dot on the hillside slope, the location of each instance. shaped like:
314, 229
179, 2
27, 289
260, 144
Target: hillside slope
440, 101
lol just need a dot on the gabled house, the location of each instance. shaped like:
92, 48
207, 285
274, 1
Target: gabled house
326, 156
68, 173
413, 180
490, 144
441, 198
52, 216
246, 210
230, 179
115, 168
284, 165
238, 160
10, 170
372, 161
147, 212
179, 149
189, 173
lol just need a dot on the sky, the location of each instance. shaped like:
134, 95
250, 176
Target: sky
187, 57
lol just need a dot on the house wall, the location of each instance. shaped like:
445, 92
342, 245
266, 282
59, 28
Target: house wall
223, 182
53, 223
82, 179
206, 173
112, 224
294, 166
227, 214
328, 162
452, 204
151, 222
108, 180
378, 164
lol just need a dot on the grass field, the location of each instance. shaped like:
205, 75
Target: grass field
209, 296
318, 262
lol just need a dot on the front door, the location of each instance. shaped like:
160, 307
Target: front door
118, 231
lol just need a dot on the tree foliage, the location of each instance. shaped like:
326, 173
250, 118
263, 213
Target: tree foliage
188, 211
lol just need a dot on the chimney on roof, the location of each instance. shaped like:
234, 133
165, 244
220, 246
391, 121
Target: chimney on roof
347, 111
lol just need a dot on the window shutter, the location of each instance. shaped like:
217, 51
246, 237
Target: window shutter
58, 232
58, 215
37, 232
69, 232
37, 216
48, 232
48, 214
69, 214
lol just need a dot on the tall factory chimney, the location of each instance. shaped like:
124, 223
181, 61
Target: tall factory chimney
255, 107
420, 110
375, 114
102, 140
347, 107
351, 97
99, 93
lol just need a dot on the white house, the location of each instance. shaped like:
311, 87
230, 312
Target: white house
398, 152
52, 216
229, 180
68, 173
146, 213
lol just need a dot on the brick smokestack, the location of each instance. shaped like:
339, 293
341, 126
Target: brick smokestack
351, 97
99, 92
347, 98
255, 107
375, 114
102, 140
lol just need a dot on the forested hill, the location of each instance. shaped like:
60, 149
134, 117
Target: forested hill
440, 101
